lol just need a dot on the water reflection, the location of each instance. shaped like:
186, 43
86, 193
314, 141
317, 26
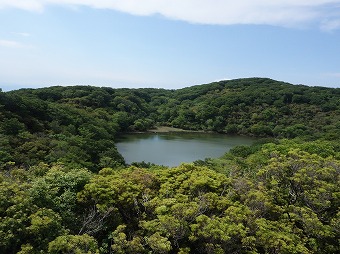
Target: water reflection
171, 149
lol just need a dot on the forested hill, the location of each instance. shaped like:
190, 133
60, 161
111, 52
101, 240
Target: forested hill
65, 189
42, 124
260, 107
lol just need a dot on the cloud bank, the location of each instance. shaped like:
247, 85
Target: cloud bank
10, 44
287, 13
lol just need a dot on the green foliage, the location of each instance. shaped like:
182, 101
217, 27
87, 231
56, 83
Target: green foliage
15, 209
44, 227
64, 187
280, 199
57, 190
78, 125
73, 244
122, 245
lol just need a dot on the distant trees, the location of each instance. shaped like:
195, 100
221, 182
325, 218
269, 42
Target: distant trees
255, 107
78, 125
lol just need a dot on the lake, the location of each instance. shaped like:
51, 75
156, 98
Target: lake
170, 149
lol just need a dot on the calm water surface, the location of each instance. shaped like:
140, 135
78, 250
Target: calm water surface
170, 149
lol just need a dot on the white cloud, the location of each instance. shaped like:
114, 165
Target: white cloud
32, 5
21, 34
221, 79
330, 25
11, 44
223, 12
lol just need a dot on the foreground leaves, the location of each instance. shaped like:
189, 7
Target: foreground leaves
274, 198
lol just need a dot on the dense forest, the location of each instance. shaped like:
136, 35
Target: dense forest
64, 187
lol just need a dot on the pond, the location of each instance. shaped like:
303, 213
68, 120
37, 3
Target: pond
171, 149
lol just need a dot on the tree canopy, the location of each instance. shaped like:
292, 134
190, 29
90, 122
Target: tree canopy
64, 187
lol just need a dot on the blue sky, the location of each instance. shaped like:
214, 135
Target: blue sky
167, 43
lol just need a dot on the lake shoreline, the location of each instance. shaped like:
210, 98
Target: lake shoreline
167, 129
